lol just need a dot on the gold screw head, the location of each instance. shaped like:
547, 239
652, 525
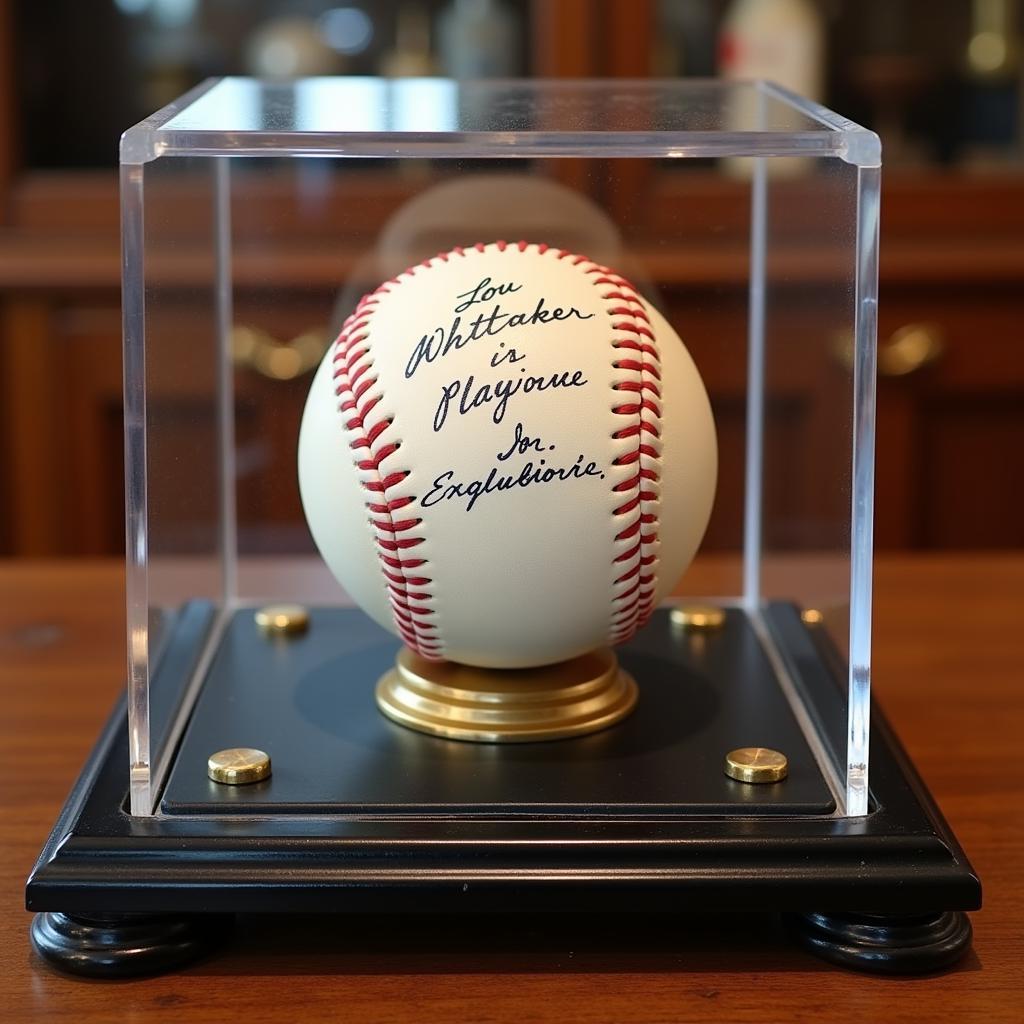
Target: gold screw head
812, 617
756, 764
697, 616
282, 619
238, 766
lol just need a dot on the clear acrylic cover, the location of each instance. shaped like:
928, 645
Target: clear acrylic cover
747, 215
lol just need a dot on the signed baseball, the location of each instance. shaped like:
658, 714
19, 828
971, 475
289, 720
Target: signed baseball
507, 457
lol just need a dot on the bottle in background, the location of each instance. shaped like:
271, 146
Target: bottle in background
781, 41
992, 65
411, 56
478, 39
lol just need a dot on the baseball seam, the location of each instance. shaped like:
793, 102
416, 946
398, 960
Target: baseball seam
395, 535
637, 366
638, 363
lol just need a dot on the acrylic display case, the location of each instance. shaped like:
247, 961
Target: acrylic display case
254, 216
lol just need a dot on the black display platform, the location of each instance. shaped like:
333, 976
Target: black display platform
309, 702
637, 818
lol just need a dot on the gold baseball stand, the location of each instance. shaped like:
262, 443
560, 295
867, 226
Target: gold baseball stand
461, 702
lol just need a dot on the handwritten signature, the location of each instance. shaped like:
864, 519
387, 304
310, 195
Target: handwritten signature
440, 342
474, 396
523, 443
484, 291
447, 488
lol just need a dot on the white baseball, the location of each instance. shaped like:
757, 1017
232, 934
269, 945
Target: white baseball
507, 457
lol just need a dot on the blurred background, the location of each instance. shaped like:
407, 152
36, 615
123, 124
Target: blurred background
942, 81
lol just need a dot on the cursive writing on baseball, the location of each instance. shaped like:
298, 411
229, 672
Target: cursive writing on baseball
447, 487
498, 393
441, 341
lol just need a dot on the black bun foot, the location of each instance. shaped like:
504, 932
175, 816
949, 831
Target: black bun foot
125, 946
886, 944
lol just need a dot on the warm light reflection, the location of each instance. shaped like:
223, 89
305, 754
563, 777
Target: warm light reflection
138, 641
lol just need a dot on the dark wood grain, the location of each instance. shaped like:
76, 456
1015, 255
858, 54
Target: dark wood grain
949, 656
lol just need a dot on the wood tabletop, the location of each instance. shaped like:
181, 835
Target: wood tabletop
949, 656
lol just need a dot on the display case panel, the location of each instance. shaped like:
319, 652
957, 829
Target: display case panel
245, 248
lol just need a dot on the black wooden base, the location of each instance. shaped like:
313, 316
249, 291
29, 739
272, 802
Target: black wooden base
126, 945
639, 819
881, 944
123, 946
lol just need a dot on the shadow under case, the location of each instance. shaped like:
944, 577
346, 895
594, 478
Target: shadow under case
254, 216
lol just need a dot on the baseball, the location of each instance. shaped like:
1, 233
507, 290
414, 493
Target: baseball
507, 457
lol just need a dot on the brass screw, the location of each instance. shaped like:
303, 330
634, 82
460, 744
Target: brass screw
756, 764
283, 619
238, 766
812, 617
697, 616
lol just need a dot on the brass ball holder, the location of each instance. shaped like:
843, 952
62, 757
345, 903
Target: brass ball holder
461, 702
570, 698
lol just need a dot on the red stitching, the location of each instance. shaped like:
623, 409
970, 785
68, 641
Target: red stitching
634, 604
639, 314
354, 375
639, 346
637, 364
638, 375
634, 329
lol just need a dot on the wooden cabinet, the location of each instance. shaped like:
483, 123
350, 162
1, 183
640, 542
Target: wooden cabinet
951, 432
950, 410
60, 395
950, 426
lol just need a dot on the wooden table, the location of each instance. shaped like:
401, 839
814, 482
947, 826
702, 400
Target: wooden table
950, 674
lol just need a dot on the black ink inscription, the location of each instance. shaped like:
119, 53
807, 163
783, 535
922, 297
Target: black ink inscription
447, 488
511, 356
440, 341
523, 443
484, 292
474, 396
